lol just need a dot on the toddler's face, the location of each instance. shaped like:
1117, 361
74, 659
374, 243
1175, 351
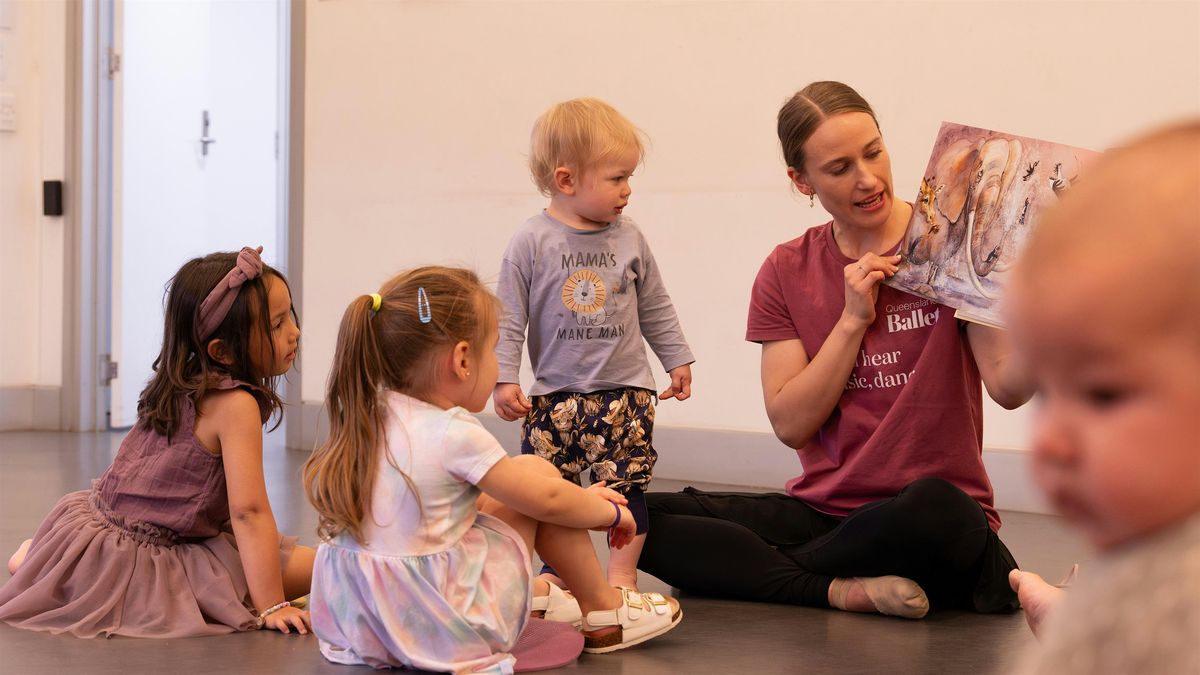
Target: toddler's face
603, 190
1117, 432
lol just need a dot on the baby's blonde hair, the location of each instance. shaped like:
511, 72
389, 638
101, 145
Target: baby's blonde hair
579, 134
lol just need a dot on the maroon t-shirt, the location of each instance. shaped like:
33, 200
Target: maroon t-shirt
912, 406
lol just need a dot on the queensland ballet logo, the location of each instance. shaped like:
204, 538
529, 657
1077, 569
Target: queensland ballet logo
917, 317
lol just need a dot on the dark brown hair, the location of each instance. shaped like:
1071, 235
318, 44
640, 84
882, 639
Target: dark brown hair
421, 311
806, 109
184, 366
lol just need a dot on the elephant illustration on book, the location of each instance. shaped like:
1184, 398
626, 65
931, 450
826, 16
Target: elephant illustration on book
974, 197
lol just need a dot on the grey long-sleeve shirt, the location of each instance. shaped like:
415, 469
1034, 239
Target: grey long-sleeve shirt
588, 298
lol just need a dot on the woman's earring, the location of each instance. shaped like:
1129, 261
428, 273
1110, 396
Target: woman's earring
811, 200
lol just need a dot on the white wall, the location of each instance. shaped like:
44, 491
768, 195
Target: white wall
33, 36
418, 115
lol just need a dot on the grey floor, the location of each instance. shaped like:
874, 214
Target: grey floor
716, 636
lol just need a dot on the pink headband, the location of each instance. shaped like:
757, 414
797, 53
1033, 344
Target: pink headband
216, 306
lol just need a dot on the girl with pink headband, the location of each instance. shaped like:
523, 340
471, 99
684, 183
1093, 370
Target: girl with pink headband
177, 538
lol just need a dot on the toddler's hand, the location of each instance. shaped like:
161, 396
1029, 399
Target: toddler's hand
510, 403
624, 532
681, 384
607, 493
284, 619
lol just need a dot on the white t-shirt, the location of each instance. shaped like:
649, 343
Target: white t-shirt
444, 453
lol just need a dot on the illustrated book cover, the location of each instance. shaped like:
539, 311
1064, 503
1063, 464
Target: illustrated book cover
981, 196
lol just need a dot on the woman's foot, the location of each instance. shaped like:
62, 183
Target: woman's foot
1037, 597
14, 563
891, 595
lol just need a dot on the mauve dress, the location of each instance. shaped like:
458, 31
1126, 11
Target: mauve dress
147, 552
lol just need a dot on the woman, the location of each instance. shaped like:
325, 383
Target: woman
879, 392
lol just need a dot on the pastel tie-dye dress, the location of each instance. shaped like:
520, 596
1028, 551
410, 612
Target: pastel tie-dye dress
435, 585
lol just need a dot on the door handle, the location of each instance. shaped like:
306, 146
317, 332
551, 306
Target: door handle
205, 139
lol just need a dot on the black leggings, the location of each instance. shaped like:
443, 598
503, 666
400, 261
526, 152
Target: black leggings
776, 548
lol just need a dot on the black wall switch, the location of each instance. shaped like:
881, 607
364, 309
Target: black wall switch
52, 198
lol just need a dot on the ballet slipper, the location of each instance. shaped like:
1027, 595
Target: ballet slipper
891, 595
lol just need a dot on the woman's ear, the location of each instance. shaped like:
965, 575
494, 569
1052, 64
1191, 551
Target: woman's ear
565, 180
219, 352
800, 181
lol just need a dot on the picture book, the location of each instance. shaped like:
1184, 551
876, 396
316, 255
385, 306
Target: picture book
981, 196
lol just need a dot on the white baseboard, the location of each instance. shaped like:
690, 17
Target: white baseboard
30, 408
745, 458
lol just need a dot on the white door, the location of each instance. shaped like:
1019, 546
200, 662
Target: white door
176, 196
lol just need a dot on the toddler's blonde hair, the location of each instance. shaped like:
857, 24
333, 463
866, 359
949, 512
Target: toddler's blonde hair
579, 134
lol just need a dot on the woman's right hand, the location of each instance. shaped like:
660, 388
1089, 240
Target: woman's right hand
510, 402
862, 286
286, 618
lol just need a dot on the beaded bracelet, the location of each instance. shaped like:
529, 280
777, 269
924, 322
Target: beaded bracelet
262, 617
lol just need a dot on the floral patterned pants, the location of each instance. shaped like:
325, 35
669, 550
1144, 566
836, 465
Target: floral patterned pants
608, 431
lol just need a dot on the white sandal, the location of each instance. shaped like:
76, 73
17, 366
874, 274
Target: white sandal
559, 606
640, 617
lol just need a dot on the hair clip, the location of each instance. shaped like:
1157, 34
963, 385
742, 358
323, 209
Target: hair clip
376, 302
423, 311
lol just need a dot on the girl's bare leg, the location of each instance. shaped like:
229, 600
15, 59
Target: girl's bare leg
568, 550
297, 576
524, 525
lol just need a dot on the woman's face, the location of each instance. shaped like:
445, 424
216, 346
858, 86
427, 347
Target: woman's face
848, 168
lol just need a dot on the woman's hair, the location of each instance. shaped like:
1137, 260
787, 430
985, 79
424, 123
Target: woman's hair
184, 366
579, 133
421, 312
807, 109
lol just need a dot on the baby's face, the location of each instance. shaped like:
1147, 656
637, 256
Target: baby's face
1117, 431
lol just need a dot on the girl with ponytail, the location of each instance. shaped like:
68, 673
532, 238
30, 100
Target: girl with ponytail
427, 523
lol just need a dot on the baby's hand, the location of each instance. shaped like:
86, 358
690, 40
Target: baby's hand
681, 384
510, 403
289, 617
607, 493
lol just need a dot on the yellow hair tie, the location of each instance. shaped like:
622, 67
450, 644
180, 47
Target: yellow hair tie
376, 302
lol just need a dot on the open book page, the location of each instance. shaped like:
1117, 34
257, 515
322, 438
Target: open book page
981, 196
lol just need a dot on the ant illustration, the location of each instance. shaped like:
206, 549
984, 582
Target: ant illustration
1030, 170
1059, 182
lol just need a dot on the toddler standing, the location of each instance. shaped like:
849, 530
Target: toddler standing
177, 538
581, 277
419, 569
1106, 309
